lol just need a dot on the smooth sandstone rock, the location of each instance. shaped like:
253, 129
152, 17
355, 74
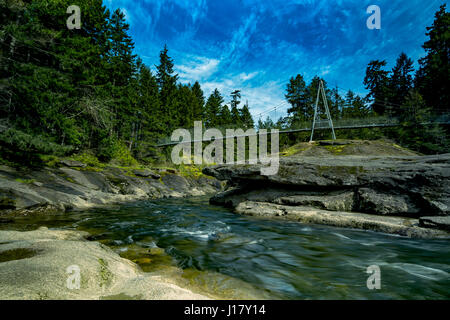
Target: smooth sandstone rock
33, 265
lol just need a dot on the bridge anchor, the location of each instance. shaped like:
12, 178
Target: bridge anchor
317, 120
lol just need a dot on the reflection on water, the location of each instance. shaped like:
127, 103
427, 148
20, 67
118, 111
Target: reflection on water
244, 257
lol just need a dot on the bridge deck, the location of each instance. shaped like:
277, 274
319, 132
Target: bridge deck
342, 127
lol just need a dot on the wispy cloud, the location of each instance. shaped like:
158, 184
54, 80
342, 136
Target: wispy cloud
197, 69
256, 46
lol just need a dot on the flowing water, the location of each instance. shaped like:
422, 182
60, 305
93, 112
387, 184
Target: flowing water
233, 256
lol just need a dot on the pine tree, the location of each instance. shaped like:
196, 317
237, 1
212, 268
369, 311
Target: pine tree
199, 104
167, 82
400, 83
246, 117
224, 117
432, 77
149, 103
376, 81
213, 107
187, 106
298, 97
235, 116
122, 68
235, 96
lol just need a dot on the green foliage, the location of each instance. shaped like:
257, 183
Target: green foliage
432, 77
18, 140
123, 156
88, 158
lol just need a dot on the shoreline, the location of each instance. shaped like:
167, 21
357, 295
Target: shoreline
74, 187
34, 265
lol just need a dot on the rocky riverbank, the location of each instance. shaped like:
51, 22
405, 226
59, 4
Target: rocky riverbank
406, 195
74, 186
41, 265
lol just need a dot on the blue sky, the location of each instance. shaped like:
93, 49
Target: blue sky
256, 45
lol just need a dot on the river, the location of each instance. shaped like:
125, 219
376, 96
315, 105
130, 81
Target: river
233, 256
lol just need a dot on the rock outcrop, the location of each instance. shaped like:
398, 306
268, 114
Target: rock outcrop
408, 187
53, 190
41, 265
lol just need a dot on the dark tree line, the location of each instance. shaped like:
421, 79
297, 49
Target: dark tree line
87, 89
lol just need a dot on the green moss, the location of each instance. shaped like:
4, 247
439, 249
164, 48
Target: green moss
70, 180
26, 181
43, 295
295, 149
190, 171
336, 150
89, 159
105, 275
123, 157
49, 160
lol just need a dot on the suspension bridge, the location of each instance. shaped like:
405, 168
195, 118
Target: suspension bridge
341, 124
321, 121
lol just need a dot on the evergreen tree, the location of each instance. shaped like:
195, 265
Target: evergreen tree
167, 82
400, 83
267, 124
213, 107
235, 116
224, 116
376, 81
187, 106
355, 106
199, 104
150, 104
260, 124
298, 97
432, 77
122, 71
246, 117
337, 104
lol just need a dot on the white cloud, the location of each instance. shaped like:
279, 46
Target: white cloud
197, 69
247, 76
